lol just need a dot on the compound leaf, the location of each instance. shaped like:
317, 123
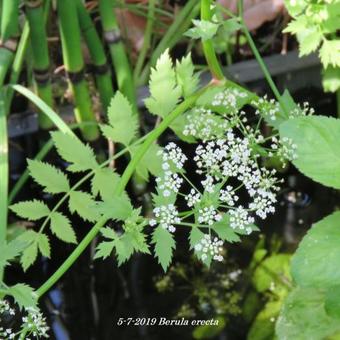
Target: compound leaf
164, 246
31, 210
165, 93
52, 179
61, 227
80, 156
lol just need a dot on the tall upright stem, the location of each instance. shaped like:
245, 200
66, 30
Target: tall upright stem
74, 65
41, 58
118, 54
4, 173
208, 47
259, 59
9, 31
97, 53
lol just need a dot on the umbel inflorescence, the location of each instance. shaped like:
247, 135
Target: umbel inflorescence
33, 323
228, 158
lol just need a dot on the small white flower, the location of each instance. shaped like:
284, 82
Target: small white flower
166, 217
209, 246
240, 219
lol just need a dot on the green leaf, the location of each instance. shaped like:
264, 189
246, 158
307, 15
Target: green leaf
44, 245
276, 269
186, 77
331, 79
332, 302
303, 317
10, 251
310, 40
123, 122
31, 210
48, 176
151, 162
23, 294
72, 150
202, 29
330, 53
263, 326
209, 331
124, 249
195, 236
29, 256
82, 203
316, 261
117, 207
109, 233
104, 250
61, 227
104, 182
231, 25
164, 246
224, 231
165, 93
296, 26
318, 154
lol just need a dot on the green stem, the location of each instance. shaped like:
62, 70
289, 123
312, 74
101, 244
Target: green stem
4, 174
118, 54
338, 102
120, 188
74, 65
172, 35
208, 46
97, 53
41, 58
20, 56
259, 59
147, 40
9, 31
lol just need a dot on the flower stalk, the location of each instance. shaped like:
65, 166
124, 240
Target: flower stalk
208, 47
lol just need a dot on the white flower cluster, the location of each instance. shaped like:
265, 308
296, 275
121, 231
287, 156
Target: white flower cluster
193, 198
170, 182
228, 99
233, 158
285, 149
33, 323
173, 154
166, 216
267, 107
301, 110
228, 196
240, 219
210, 247
205, 125
208, 215
5, 308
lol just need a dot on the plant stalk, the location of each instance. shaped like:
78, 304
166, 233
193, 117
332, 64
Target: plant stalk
41, 58
118, 54
4, 174
97, 53
208, 46
74, 65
